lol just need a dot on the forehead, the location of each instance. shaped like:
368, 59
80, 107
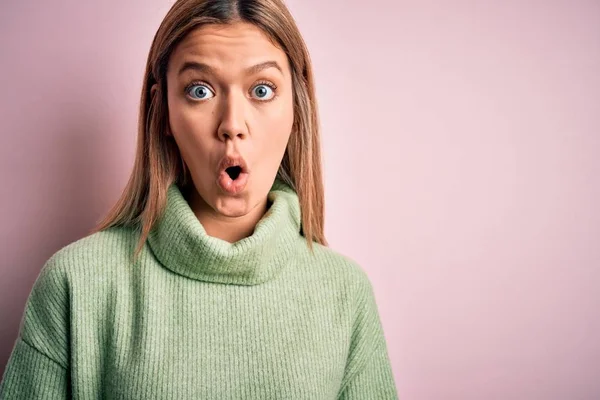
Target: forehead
226, 47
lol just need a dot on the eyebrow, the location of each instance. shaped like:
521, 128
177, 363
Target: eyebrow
201, 67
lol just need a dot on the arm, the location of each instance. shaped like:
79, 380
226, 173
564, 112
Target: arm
368, 373
38, 365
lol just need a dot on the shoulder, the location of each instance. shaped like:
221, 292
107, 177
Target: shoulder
329, 264
83, 267
113, 246
110, 241
71, 272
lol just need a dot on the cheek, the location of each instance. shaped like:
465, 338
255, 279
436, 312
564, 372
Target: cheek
275, 140
279, 125
181, 119
191, 135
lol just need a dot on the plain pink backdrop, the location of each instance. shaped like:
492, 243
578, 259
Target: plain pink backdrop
462, 163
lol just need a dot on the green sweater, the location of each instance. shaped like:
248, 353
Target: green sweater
196, 317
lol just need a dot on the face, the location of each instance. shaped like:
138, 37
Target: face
230, 105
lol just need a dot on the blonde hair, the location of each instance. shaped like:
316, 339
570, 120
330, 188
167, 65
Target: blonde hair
158, 162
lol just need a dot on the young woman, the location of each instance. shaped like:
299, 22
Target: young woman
211, 277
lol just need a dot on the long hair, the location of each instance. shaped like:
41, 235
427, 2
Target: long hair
158, 162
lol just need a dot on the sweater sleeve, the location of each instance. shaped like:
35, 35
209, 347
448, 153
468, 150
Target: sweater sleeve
368, 374
38, 364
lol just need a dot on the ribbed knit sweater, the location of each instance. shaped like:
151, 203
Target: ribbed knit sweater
196, 317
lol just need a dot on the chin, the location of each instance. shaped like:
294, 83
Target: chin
232, 206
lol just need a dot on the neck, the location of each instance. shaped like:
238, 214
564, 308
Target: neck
180, 242
230, 229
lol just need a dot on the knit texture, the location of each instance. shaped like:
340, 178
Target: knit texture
196, 317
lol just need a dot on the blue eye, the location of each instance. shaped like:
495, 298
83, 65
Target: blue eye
202, 92
262, 91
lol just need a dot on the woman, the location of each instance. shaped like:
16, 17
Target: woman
210, 278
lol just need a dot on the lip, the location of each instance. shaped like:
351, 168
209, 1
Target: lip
224, 181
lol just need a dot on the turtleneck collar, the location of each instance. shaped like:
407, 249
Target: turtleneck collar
182, 245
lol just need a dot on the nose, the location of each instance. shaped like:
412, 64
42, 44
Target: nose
233, 123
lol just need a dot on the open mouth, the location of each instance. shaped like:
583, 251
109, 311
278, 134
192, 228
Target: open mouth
234, 172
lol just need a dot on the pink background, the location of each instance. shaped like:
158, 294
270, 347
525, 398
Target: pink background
462, 162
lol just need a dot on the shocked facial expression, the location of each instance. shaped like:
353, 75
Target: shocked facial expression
230, 104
